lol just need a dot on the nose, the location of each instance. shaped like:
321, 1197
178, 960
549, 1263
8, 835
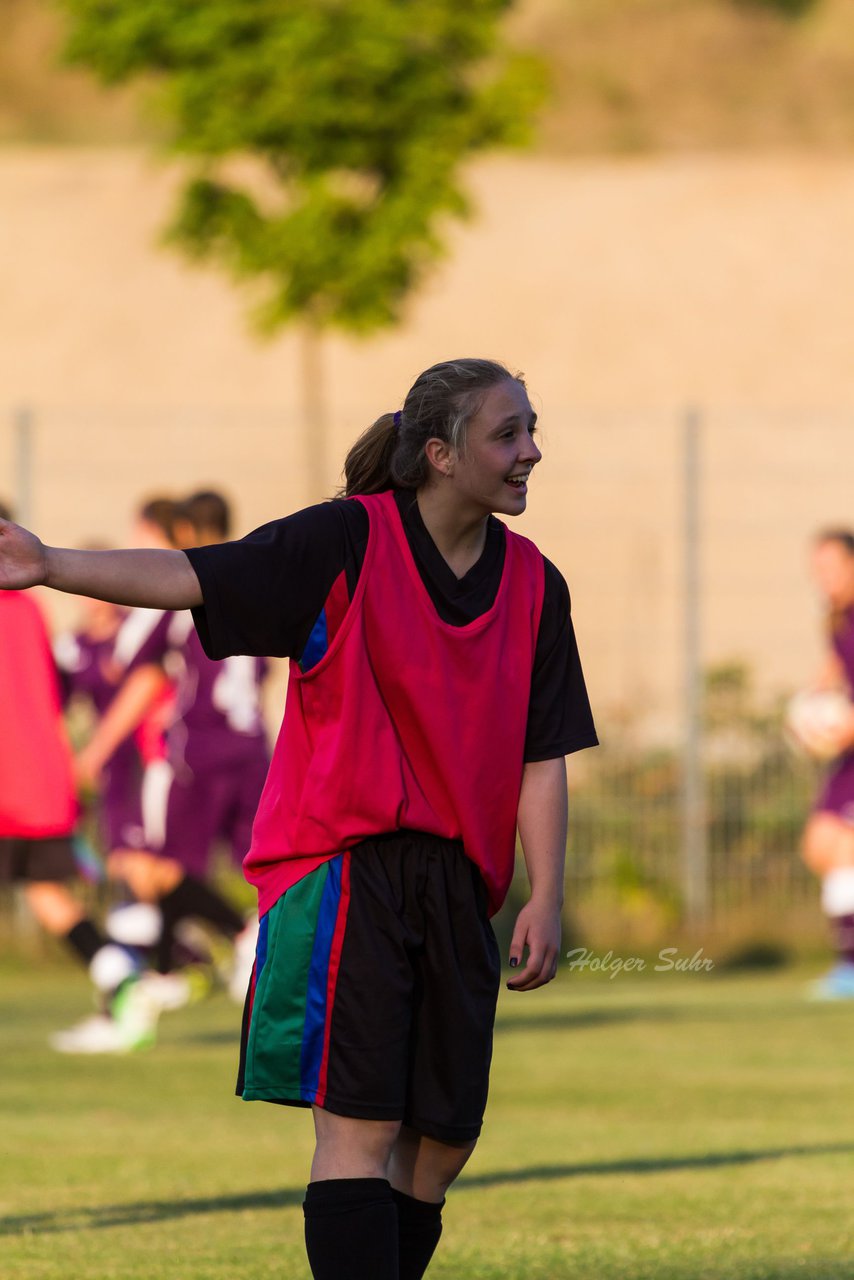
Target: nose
529, 452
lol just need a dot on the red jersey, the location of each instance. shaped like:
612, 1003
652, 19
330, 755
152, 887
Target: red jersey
406, 722
37, 796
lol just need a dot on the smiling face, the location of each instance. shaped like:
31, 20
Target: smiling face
491, 471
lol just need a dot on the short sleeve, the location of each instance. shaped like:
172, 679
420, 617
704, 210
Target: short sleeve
560, 720
262, 594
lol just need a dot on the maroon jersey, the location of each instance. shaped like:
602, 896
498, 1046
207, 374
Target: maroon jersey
217, 713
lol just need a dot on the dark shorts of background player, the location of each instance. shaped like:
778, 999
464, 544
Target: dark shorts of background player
837, 792
375, 988
36, 860
194, 809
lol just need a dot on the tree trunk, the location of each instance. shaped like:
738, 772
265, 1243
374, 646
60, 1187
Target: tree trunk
314, 408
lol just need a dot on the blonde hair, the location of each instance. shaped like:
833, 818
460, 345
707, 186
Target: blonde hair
440, 404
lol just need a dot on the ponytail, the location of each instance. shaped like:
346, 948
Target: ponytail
367, 468
440, 404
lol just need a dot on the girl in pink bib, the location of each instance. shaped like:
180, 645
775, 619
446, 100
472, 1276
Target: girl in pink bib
435, 688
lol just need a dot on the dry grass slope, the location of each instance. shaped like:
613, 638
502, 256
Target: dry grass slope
629, 76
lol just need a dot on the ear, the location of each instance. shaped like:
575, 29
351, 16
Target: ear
440, 455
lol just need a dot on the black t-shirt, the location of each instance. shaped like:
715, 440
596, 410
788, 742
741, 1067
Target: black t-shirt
264, 593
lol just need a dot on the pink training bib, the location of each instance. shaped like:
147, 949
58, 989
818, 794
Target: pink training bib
406, 721
37, 797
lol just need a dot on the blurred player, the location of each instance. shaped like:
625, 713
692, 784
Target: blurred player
207, 786
38, 809
90, 675
828, 839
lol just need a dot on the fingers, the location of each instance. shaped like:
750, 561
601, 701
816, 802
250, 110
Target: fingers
540, 969
517, 942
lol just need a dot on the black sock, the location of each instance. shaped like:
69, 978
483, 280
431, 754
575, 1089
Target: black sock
351, 1229
85, 939
192, 898
844, 929
419, 1225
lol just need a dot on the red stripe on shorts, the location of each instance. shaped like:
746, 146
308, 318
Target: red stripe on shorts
332, 973
253, 981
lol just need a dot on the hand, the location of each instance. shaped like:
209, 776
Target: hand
538, 929
23, 560
87, 771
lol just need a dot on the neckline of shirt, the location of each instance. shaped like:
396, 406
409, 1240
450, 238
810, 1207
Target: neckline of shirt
431, 558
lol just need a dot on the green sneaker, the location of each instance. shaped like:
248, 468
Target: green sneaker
135, 1014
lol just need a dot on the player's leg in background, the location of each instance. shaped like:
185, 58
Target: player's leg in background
828, 850
46, 868
241, 795
351, 1225
182, 819
61, 914
124, 1022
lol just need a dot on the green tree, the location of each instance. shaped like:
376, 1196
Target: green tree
324, 140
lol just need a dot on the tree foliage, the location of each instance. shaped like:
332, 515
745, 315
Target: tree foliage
349, 120
788, 8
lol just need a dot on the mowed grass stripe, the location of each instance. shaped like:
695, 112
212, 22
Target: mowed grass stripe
681, 1127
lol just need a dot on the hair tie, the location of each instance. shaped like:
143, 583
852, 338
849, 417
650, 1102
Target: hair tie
398, 415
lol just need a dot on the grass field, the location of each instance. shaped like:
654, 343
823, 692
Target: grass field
672, 1126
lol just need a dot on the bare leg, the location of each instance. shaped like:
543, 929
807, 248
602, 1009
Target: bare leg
148, 876
348, 1148
351, 1227
828, 850
424, 1168
827, 844
54, 906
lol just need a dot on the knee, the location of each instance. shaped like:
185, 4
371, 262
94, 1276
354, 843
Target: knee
350, 1148
424, 1168
817, 845
53, 906
147, 876
448, 1166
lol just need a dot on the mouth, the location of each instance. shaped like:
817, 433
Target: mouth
518, 483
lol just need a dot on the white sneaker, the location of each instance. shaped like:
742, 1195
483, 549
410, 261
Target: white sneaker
97, 1034
170, 991
242, 961
130, 1025
166, 991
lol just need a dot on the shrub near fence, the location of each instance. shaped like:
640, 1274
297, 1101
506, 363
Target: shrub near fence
625, 847
625, 871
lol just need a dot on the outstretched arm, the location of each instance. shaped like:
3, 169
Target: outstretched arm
542, 820
150, 579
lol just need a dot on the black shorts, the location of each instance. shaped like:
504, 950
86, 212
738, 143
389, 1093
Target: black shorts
50, 859
374, 990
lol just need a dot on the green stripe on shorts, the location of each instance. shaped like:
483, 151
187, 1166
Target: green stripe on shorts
278, 1012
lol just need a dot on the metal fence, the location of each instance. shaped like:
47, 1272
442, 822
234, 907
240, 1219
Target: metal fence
684, 537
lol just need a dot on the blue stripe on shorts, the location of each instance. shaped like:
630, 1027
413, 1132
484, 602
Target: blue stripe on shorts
315, 1005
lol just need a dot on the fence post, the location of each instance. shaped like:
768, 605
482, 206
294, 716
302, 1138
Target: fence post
695, 878
23, 924
23, 497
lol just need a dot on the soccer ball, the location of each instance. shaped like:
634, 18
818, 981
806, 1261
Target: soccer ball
814, 718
